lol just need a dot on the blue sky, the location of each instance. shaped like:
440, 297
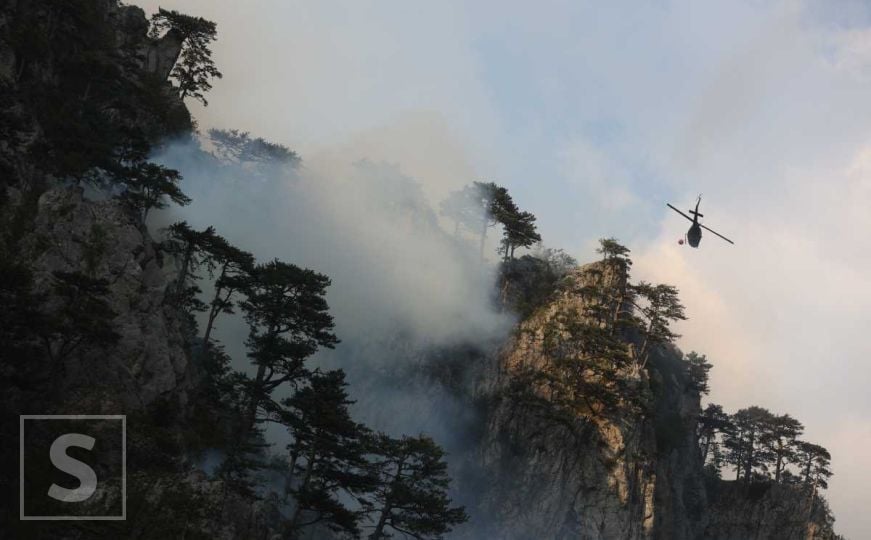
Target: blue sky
594, 115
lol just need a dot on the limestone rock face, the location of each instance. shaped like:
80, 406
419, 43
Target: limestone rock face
100, 239
766, 511
161, 55
597, 477
628, 473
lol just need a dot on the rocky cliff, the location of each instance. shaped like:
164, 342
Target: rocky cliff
627, 472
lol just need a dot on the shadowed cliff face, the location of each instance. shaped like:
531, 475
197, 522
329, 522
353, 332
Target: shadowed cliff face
52, 228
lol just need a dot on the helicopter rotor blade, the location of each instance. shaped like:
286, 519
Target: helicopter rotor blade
679, 212
718, 234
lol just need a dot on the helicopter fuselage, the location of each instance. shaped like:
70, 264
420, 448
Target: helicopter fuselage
694, 235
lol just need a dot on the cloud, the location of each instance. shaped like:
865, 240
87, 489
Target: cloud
603, 181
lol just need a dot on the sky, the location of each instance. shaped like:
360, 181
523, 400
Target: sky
594, 116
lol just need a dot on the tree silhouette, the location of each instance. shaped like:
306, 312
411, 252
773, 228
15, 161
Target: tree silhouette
234, 146
327, 455
745, 450
520, 231
147, 184
194, 69
780, 441
663, 307
712, 422
79, 314
697, 369
815, 462
411, 494
289, 320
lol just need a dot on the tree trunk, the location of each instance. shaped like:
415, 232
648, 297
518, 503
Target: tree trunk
483, 235
778, 467
251, 419
748, 465
213, 313
706, 447
302, 486
183, 272
378, 533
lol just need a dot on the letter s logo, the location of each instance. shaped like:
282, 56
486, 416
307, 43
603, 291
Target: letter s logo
86, 475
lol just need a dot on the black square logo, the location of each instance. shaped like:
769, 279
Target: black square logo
73, 467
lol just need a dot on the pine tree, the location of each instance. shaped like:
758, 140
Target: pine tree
411, 495
612, 251
289, 320
780, 441
147, 184
80, 315
194, 69
234, 146
198, 250
697, 370
188, 245
712, 422
744, 444
663, 307
620, 297
464, 207
233, 267
520, 231
479, 206
327, 455
814, 462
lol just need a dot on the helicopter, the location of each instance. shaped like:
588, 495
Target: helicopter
694, 235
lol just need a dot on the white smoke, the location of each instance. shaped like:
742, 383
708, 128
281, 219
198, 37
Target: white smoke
402, 287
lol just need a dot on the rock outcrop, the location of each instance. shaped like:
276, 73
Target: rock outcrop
150, 360
631, 473
595, 475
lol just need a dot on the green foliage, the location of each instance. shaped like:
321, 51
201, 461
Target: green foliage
519, 231
148, 184
466, 208
528, 281
411, 494
780, 441
86, 91
289, 320
206, 250
81, 315
712, 422
697, 369
615, 254
662, 308
814, 462
758, 442
482, 205
195, 68
234, 146
326, 455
